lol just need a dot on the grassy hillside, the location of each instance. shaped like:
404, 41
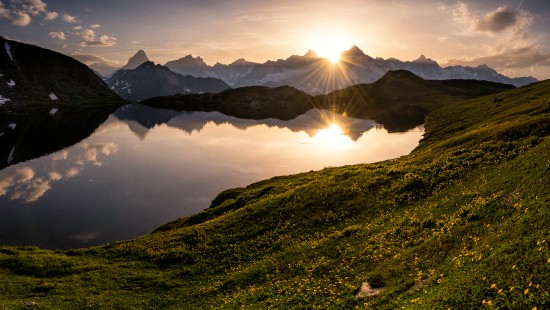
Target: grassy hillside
460, 223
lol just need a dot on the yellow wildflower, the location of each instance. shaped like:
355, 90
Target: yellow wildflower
511, 289
439, 281
493, 285
534, 308
526, 292
490, 302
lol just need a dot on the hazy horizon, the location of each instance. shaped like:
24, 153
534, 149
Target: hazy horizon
509, 36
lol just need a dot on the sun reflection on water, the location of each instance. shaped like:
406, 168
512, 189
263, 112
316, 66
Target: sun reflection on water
332, 138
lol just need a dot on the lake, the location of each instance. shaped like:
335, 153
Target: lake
145, 167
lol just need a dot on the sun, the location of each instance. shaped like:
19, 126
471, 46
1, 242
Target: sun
329, 44
334, 57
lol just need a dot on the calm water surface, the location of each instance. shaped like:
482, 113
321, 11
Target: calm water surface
145, 167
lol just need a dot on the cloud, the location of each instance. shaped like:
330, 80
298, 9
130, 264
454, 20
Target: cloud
498, 20
4, 13
32, 190
20, 19
516, 58
24, 184
77, 28
94, 26
92, 150
88, 34
62, 155
68, 18
58, 35
51, 16
22, 11
103, 40
69, 173
33, 7
54, 176
89, 59
17, 177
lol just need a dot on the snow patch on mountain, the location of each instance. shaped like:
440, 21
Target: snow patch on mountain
53, 96
3, 100
8, 50
11, 83
53, 111
10, 156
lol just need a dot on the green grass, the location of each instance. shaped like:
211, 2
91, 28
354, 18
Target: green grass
462, 223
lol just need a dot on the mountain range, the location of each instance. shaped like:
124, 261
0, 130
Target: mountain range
149, 80
317, 75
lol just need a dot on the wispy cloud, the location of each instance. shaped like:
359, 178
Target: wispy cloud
516, 58
508, 43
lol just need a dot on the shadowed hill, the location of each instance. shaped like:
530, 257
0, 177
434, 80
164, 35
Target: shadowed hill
254, 102
37, 72
400, 100
48, 101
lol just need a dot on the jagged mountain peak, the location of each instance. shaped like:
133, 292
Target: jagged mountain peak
242, 62
311, 54
136, 60
354, 51
422, 59
484, 67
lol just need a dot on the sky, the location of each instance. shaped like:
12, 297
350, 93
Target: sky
508, 35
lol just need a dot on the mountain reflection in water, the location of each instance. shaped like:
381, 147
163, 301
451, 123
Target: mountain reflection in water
144, 167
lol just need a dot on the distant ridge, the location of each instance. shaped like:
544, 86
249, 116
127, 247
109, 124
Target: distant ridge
316, 75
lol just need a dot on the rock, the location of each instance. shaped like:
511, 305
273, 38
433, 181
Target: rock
366, 290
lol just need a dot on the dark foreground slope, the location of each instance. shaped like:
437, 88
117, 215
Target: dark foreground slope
37, 73
48, 101
461, 223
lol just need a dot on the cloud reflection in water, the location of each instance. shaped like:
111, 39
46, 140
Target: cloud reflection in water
23, 182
